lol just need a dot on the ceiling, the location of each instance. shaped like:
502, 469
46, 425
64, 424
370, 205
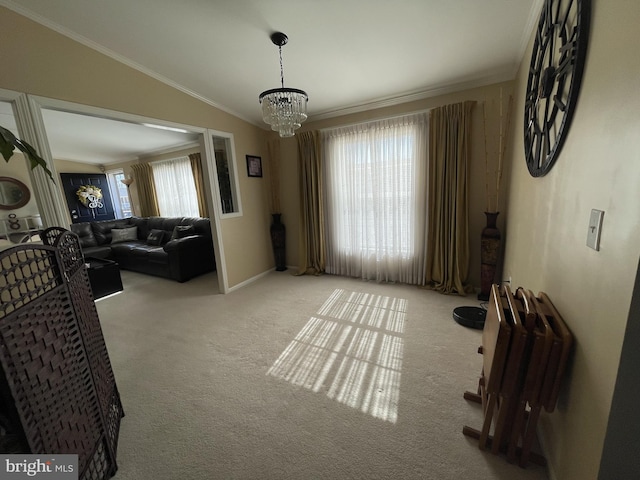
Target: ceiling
348, 55
100, 141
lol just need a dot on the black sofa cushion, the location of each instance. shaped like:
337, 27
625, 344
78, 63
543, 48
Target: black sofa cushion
102, 229
143, 226
156, 238
85, 233
181, 231
124, 248
202, 225
162, 223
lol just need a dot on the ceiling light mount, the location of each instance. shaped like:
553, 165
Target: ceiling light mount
279, 39
283, 108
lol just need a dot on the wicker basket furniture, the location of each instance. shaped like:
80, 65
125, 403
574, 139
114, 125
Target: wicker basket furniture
57, 388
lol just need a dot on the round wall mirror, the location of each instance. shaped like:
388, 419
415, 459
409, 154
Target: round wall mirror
13, 193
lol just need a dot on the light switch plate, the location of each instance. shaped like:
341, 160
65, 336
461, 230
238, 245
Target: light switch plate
595, 226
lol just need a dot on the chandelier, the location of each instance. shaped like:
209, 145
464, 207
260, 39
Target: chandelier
283, 108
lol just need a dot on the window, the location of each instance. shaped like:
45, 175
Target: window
376, 199
175, 188
119, 194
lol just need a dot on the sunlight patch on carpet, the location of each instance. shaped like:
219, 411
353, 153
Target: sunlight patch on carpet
352, 351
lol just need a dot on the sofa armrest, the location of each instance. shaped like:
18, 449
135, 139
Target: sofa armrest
190, 256
192, 241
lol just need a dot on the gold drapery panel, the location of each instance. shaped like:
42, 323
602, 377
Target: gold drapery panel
312, 252
448, 215
143, 176
198, 178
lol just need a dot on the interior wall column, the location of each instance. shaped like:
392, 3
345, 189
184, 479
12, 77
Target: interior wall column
214, 203
48, 195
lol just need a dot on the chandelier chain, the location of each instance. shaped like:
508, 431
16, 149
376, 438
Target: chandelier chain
281, 69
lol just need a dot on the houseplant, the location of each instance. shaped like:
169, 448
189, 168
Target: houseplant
8, 144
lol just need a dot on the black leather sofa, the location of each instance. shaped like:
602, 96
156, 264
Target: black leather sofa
175, 248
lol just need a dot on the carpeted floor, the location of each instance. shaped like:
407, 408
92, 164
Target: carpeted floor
295, 378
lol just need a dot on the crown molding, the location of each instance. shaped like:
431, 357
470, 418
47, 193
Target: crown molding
20, 10
532, 23
412, 96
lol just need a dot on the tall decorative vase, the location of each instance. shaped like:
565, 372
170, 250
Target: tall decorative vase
489, 254
278, 234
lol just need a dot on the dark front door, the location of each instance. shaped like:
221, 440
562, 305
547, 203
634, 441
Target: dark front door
95, 208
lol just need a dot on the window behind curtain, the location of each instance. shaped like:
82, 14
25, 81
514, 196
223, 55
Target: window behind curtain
119, 194
175, 188
376, 199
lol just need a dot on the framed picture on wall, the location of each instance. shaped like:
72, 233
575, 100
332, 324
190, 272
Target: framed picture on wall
254, 166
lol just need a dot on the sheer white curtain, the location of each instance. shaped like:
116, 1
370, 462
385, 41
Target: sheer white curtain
376, 180
175, 188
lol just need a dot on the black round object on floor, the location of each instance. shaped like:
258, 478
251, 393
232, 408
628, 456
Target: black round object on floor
472, 317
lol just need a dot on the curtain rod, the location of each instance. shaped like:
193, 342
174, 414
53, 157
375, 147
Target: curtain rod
377, 119
164, 160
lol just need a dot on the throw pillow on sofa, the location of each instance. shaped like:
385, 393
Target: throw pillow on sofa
155, 238
119, 235
181, 231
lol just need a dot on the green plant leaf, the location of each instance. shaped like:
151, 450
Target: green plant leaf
6, 149
34, 158
8, 144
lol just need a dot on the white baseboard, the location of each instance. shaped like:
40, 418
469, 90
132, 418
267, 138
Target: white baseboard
250, 280
260, 275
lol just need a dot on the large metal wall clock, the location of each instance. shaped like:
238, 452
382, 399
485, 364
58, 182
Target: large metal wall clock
555, 73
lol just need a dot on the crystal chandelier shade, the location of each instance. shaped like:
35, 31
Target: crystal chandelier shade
283, 108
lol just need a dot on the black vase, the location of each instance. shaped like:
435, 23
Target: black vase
278, 235
489, 254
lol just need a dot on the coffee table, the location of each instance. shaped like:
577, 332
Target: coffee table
104, 276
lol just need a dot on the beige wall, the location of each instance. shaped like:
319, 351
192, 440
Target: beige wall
254, 249
488, 96
48, 64
599, 167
